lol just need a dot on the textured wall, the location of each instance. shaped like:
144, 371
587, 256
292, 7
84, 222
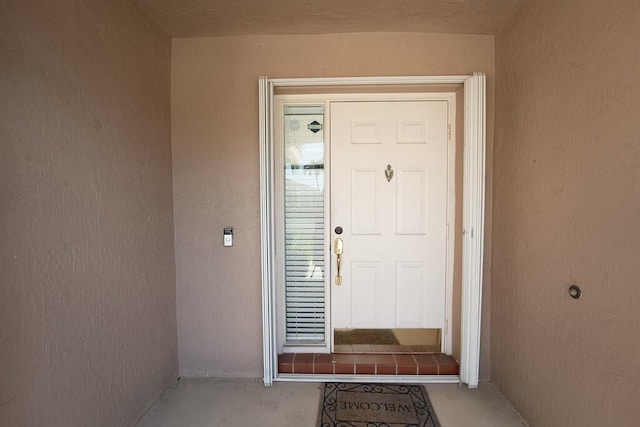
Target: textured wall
567, 209
87, 294
202, 18
216, 169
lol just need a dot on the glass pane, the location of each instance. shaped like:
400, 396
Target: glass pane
304, 224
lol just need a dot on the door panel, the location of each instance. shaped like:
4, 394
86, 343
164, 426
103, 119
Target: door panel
365, 186
412, 131
394, 258
411, 212
365, 132
410, 284
365, 281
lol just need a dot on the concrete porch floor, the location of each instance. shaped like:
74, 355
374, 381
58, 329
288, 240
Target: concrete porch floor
195, 402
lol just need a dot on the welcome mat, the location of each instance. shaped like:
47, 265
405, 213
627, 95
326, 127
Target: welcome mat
365, 336
376, 405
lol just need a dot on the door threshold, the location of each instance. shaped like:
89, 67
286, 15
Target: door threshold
381, 379
363, 364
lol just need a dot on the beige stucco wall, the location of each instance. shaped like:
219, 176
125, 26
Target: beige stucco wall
87, 294
216, 169
566, 210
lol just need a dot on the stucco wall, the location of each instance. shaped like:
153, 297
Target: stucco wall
87, 294
566, 210
216, 169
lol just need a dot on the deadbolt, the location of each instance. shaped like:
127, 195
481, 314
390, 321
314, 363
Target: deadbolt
338, 230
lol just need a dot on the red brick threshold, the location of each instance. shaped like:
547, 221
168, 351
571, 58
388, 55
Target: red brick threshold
367, 364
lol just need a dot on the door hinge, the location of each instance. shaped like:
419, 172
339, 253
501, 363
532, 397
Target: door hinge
446, 327
448, 132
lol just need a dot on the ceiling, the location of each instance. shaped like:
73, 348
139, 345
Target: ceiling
198, 18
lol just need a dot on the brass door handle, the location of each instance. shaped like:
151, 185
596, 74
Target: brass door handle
338, 248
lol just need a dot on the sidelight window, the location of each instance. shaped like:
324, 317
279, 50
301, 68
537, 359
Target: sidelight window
304, 196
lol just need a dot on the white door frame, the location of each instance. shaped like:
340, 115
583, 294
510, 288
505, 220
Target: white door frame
326, 100
472, 222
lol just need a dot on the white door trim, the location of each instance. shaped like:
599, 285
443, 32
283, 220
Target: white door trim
473, 225
473, 209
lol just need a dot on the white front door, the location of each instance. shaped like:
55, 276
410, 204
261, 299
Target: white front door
389, 169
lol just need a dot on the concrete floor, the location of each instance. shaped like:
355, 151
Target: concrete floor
195, 402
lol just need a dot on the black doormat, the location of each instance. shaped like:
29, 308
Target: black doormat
376, 405
366, 336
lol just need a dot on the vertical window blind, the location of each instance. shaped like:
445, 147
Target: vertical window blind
304, 225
